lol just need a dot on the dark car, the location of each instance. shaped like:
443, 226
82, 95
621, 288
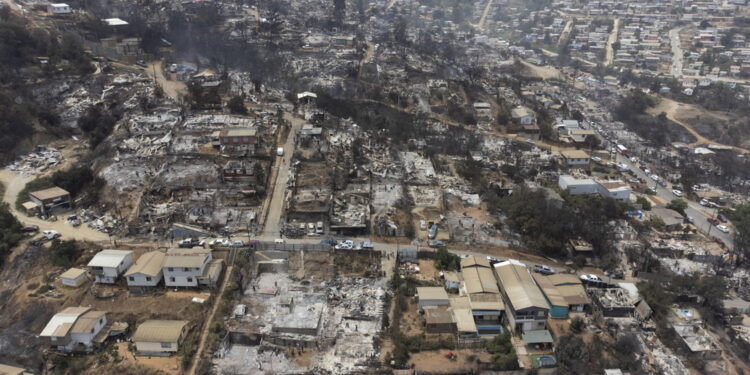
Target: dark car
722, 218
615, 274
30, 228
719, 241
713, 221
329, 242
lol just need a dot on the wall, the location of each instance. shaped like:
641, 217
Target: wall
155, 347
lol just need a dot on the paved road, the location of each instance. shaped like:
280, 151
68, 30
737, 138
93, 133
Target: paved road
276, 206
694, 210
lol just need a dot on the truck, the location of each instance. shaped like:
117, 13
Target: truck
622, 150
280, 151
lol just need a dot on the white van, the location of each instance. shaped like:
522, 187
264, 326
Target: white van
280, 151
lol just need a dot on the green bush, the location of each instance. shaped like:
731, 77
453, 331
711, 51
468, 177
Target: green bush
10, 231
576, 325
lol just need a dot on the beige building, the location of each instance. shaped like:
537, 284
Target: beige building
159, 337
73, 277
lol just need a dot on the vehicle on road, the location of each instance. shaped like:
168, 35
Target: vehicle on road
615, 274
237, 243
31, 228
219, 242
188, 243
50, 234
712, 221
677, 193
720, 242
436, 243
723, 228
690, 219
346, 245
704, 202
654, 177
722, 218
433, 232
544, 270
280, 151
329, 242
590, 278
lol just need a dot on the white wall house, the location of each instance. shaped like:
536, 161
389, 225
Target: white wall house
523, 115
146, 272
75, 329
108, 265
190, 268
615, 189
576, 158
159, 337
577, 186
73, 277
59, 8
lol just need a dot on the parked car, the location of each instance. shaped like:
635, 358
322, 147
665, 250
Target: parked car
662, 183
713, 221
704, 202
329, 242
723, 228
590, 278
346, 245
615, 274
690, 219
722, 218
719, 241
219, 242
50, 234
436, 243
31, 228
544, 270
433, 231
190, 243
237, 243
676, 193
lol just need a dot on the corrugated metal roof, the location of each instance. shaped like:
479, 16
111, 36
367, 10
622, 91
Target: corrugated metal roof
474, 261
64, 318
186, 257
480, 280
460, 303
148, 264
491, 302
72, 273
432, 292
517, 283
550, 291
11, 370
537, 337
109, 258
159, 331
51, 193
86, 322
464, 320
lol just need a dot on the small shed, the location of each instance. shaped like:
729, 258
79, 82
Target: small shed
58, 8
439, 320
159, 337
73, 277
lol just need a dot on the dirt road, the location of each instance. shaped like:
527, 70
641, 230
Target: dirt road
14, 183
610, 58
173, 89
207, 325
566, 31
670, 108
483, 18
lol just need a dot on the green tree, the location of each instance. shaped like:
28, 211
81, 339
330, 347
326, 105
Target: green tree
446, 261
64, 253
741, 220
645, 203
503, 354
10, 231
678, 205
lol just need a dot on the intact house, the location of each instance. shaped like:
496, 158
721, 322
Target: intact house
108, 265
576, 158
522, 115
564, 293
48, 201
190, 268
238, 140
432, 296
159, 337
59, 8
75, 329
73, 277
483, 296
615, 189
146, 273
526, 309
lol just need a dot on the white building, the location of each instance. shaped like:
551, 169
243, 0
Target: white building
73, 277
159, 337
146, 272
578, 186
523, 115
615, 189
190, 268
59, 8
75, 329
108, 265
576, 158
431, 296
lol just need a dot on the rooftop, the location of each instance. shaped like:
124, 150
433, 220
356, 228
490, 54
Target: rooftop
148, 264
72, 273
109, 258
432, 292
520, 287
51, 193
159, 331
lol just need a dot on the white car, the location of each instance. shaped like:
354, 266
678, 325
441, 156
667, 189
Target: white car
346, 245
723, 228
677, 193
50, 234
590, 278
219, 242
704, 202
654, 177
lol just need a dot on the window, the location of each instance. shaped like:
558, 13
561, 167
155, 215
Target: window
148, 278
131, 278
171, 279
186, 269
166, 345
190, 279
170, 269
